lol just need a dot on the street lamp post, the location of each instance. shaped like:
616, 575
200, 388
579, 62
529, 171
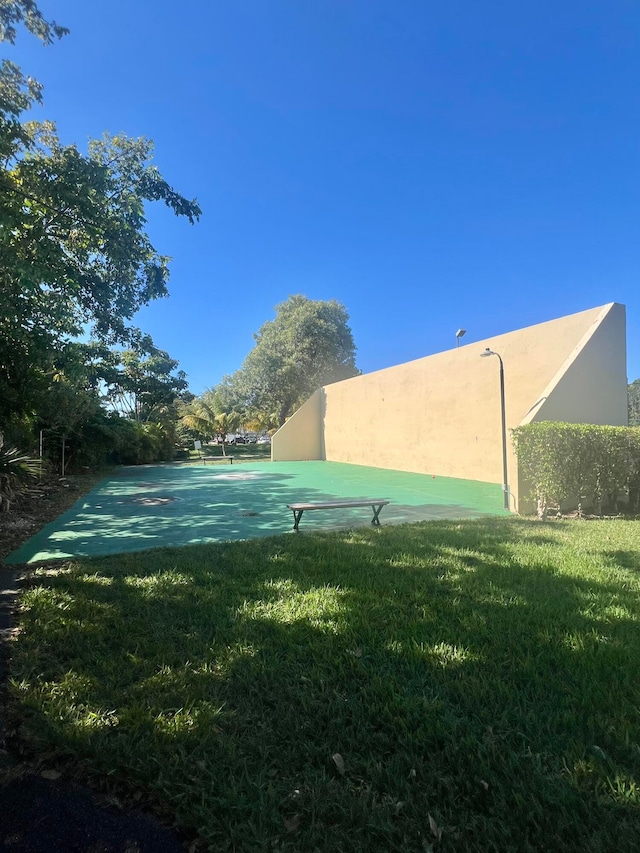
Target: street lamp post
505, 481
459, 334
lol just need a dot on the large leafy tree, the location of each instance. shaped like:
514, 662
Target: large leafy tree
307, 345
143, 383
73, 250
74, 253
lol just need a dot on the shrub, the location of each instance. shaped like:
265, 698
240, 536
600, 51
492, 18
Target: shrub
582, 464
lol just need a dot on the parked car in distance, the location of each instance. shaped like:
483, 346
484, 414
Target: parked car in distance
263, 439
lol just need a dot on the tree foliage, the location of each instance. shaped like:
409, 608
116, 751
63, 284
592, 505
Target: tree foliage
27, 12
211, 416
75, 258
307, 345
143, 383
73, 250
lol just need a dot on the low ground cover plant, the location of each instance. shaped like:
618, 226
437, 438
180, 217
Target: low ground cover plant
464, 686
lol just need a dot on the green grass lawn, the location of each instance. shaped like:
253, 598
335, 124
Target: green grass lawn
445, 686
241, 452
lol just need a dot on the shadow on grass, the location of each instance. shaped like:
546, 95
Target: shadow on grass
627, 559
481, 672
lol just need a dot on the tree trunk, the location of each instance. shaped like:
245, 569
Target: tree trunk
283, 413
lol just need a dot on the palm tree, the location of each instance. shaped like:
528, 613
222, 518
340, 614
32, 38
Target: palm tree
16, 470
205, 417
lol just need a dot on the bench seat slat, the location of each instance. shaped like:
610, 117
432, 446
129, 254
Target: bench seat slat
338, 504
375, 503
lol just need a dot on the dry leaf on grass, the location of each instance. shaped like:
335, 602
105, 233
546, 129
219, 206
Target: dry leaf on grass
292, 823
436, 830
51, 774
339, 762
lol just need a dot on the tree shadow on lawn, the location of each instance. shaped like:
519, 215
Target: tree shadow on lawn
454, 674
626, 559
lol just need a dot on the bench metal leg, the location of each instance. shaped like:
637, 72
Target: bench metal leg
376, 512
297, 515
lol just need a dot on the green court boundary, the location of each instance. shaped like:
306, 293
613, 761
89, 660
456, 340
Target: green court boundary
154, 506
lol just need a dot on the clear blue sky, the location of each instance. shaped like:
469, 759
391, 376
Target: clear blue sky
431, 165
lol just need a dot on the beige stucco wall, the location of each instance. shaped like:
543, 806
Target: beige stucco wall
302, 437
441, 414
591, 386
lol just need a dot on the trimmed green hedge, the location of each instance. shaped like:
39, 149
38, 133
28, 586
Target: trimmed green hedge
583, 465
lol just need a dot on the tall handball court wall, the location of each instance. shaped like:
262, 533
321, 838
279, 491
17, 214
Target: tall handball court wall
442, 415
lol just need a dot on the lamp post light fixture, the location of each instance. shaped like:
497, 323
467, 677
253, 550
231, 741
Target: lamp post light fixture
459, 334
505, 481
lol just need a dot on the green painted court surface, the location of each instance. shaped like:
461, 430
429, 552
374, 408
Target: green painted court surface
153, 506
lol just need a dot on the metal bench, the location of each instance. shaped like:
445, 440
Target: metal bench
214, 459
375, 503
